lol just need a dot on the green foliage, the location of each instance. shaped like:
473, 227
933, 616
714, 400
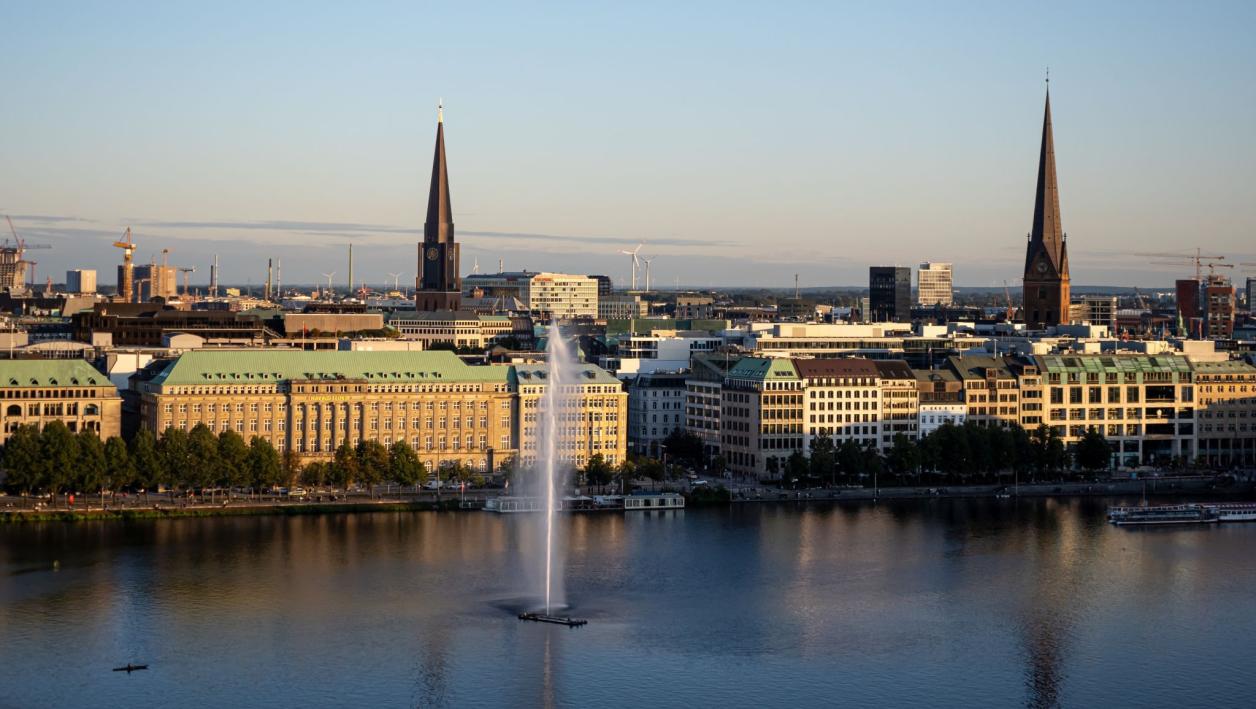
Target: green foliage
262, 465
1093, 452
59, 450
598, 471
204, 463
823, 463
683, 446
373, 462
797, 466
118, 467
23, 460
233, 463
147, 458
89, 466
176, 457
404, 466
344, 467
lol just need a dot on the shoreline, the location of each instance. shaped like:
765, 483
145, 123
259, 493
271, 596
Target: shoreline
1192, 487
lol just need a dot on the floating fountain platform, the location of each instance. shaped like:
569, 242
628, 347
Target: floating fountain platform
556, 620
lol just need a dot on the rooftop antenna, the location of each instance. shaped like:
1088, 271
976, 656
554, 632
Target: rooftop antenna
350, 270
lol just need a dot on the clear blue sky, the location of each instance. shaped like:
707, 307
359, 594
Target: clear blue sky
742, 143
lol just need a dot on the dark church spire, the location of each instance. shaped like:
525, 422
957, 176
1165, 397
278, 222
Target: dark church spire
439, 227
1047, 233
439, 281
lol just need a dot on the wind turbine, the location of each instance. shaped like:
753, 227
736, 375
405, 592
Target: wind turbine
396, 281
329, 276
633, 253
647, 260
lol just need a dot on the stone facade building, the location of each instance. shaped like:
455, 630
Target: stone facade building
37, 392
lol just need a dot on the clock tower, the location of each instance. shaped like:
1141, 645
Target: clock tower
438, 283
1046, 295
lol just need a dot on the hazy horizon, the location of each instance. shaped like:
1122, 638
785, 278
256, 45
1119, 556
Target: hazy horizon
741, 144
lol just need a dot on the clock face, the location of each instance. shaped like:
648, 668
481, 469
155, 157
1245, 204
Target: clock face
1042, 267
431, 254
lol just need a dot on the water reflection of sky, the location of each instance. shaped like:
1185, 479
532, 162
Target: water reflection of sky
945, 603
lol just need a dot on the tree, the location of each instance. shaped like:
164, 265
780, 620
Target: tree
233, 462
262, 465
315, 474
850, 459
373, 462
89, 464
176, 457
683, 446
59, 451
823, 464
597, 471
904, 456
797, 466
23, 460
344, 468
291, 466
204, 463
147, 459
118, 467
1093, 452
404, 466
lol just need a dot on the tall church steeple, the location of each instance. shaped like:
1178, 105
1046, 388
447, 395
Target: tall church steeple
439, 283
1046, 294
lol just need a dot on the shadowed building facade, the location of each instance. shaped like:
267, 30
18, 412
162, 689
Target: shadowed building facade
439, 285
1046, 294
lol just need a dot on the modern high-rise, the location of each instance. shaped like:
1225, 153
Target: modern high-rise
439, 283
1219, 307
1046, 294
1251, 294
1188, 311
933, 284
80, 281
889, 293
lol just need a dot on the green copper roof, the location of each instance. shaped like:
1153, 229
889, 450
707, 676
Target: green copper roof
49, 372
270, 366
1230, 366
763, 368
586, 373
1113, 363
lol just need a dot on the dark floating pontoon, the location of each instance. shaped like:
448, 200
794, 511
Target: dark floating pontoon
556, 620
129, 668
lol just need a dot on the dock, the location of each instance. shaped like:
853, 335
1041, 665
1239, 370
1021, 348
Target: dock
556, 620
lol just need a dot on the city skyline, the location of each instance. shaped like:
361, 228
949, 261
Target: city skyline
827, 152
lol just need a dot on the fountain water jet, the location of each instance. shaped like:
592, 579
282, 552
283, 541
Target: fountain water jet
558, 364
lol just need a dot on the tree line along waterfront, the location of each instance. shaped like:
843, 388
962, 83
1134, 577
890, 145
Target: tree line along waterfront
54, 460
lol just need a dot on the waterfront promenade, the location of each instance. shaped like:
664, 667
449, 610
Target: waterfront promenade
382, 498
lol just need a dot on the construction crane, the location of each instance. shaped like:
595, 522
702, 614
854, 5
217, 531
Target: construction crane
1198, 259
20, 243
1007, 294
1139, 300
126, 290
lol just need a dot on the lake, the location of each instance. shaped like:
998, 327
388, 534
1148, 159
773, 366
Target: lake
945, 603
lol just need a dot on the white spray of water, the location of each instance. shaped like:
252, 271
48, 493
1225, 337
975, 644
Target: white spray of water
558, 365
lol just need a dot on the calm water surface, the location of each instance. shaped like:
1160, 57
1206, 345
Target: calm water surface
939, 603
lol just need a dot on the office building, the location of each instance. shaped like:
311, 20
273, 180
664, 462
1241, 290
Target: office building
80, 281
1218, 308
596, 411
934, 285
656, 409
889, 293
38, 392
762, 416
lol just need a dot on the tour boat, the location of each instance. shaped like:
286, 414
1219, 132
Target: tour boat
1161, 514
654, 501
1233, 511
